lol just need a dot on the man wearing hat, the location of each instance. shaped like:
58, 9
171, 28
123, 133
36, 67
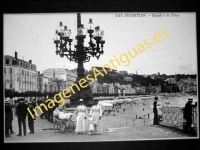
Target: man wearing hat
81, 118
155, 111
8, 117
34, 103
51, 117
188, 114
21, 114
30, 119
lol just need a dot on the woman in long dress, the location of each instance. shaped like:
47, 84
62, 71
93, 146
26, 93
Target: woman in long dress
155, 111
81, 118
95, 115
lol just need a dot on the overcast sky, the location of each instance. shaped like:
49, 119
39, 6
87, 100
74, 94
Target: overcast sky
31, 36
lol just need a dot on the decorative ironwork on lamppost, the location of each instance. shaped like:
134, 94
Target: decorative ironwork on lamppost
80, 54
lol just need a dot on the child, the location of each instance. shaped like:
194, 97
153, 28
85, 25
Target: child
60, 113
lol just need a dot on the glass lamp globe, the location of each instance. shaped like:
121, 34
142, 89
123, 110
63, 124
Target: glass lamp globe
82, 30
70, 33
75, 41
56, 38
90, 26
97, 32
102, 33
60, 27
65, 32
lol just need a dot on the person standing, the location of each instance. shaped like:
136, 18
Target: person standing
11, 128
45, 111
188, 115
34, 103
155, 111
30, 119
40, 101
52, 110
10, 103
81, 118
95, 115
21, 114
49, 113
8, 117
15, 107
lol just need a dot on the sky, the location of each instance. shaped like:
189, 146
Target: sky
31, 35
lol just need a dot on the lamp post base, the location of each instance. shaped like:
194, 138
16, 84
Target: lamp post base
85, 94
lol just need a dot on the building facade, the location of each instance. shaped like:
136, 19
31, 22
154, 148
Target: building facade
63, 74
58, 73
112, 88
42, 83
19, 75
123, 72
171, 80
71, 77
187, 85
53, 86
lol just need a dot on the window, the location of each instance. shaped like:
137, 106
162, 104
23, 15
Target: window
22, 72
10, 77
5, 70
7, 61
10, 70
11, 86
14, 62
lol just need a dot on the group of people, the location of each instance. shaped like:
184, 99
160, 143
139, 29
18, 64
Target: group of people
188, 113
88, 123
47, 114
85, 123
21, 113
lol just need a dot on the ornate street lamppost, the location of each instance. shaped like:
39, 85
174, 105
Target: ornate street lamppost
81, 53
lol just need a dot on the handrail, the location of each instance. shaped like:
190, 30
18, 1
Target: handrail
134, 122
145, 115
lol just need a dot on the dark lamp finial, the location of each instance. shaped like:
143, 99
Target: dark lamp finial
65, 27
90, 21
61, 23
97, 28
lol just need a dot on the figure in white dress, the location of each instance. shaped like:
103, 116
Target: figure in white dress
95, 118
81, 118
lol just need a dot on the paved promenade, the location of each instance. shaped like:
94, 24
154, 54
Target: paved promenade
116, 127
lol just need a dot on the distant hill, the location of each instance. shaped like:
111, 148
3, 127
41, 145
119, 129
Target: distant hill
183, 76
116, 77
